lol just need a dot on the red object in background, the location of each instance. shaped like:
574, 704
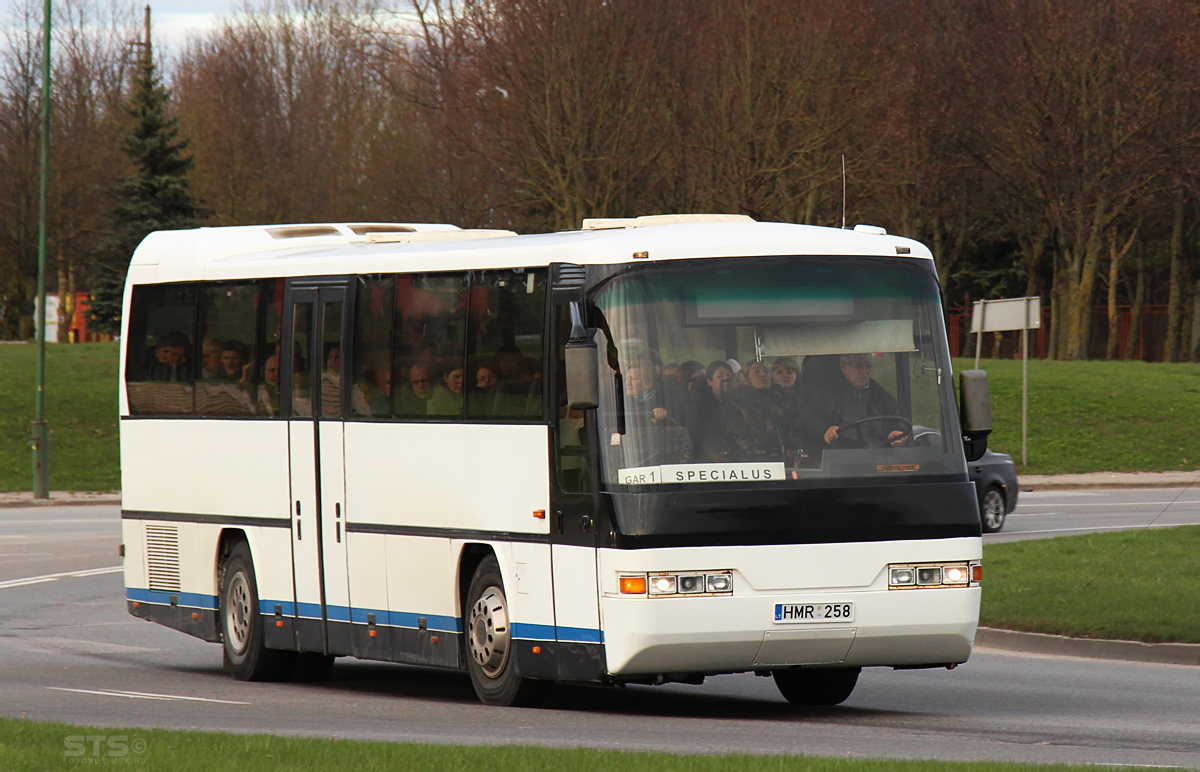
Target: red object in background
77, 330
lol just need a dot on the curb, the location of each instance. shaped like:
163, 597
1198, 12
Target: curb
59, 499
1092, 486
1101, 480
1062, 646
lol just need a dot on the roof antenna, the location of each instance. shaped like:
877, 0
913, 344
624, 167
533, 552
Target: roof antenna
843, 191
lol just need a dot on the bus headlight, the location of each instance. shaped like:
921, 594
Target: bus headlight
720, 582
913, 576
956, 575
662, 585
683, 583
929, 575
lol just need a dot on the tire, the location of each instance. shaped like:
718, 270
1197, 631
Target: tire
488, 644
992, 509
309, 666
242, 625
817, 686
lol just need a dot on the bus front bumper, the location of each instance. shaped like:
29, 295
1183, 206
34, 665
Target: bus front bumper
730, 634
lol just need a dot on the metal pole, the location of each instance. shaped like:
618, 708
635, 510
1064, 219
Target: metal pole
41, 431
979, 335
1025, 387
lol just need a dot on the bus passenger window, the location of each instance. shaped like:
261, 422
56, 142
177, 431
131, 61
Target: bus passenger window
372, 372
268, 349
226, 379
430, 338
302, 319
504, 363
160, 363
331, 360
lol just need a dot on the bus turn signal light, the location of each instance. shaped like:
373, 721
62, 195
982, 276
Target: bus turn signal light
633, 585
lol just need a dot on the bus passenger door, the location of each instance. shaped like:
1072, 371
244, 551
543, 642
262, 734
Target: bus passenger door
313, 336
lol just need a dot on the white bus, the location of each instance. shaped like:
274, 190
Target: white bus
356, 440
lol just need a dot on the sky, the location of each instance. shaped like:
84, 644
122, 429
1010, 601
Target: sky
172, 20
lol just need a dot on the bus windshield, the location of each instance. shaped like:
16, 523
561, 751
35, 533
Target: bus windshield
775, 372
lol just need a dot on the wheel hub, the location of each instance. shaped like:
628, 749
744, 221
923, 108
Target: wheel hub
237, 612
490, 638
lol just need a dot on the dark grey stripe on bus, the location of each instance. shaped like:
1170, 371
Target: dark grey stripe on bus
193, 517
446, 533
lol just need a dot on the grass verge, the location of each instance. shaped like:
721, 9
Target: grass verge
81, 408
1096, 416
1129, 585
38, 746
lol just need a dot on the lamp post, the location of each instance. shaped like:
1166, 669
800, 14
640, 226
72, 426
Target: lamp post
41, 431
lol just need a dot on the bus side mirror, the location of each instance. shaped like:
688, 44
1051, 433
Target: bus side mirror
583, 365
975, 412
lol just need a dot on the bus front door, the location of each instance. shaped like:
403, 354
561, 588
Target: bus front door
573, 531
313, 341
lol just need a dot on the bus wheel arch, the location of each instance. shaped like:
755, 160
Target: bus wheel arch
488, 643
241, 622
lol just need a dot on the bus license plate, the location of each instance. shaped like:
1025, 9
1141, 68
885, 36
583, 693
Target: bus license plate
789, 613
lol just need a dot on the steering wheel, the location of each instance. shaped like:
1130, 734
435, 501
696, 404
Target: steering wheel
904, 423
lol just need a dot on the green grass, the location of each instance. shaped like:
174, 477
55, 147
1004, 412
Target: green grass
31, 745
1131, 585
1096, 416
81, 408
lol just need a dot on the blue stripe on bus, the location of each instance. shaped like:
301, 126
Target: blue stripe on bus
189, 599
579, 635
435, 622
383, 617
532, 632
286, 608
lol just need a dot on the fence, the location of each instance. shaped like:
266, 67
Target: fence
1149, 346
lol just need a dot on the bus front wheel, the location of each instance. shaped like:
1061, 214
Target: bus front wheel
242, 626
817, 686
489, 644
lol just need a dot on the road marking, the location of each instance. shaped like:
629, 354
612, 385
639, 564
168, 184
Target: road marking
55, 577
144, 695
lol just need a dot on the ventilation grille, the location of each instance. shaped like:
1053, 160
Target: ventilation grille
162, 557
303, 231
569, 276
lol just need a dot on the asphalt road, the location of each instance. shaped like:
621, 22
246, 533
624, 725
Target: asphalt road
69, 652
1043, 514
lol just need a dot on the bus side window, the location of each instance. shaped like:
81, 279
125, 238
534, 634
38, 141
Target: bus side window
504, 361
226, 380
268, 348
573, 459
372, 372
430, 333
160, 365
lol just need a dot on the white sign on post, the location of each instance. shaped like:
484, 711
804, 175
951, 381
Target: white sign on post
1022, 314
1001, 315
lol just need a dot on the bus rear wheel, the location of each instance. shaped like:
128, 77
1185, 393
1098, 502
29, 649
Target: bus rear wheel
242, 627
817, 686
489, 644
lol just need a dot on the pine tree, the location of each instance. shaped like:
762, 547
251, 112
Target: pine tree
157, 196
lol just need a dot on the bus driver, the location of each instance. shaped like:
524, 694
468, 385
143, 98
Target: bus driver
856, 396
